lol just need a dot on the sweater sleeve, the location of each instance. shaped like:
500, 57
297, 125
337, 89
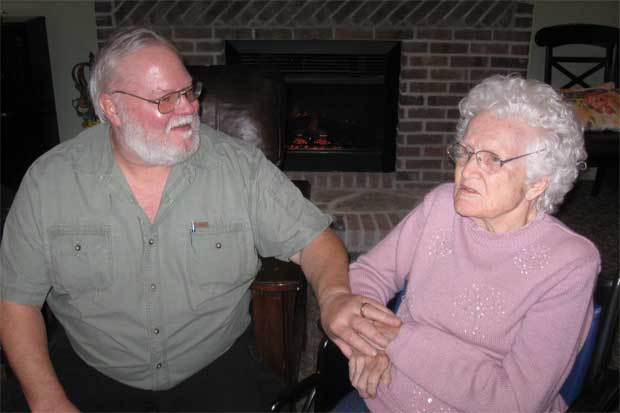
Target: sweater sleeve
529, 377
382, 272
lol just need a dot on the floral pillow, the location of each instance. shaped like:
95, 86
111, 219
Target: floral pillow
597, 108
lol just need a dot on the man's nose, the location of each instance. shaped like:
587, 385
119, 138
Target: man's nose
185, 107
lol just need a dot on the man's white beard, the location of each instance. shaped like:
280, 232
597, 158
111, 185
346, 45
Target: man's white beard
152, 151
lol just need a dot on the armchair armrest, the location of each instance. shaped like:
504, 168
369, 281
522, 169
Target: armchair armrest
279, 314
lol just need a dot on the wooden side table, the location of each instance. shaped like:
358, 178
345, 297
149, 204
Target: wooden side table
279, 314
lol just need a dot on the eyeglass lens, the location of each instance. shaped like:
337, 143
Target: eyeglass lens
486, 160
169, 102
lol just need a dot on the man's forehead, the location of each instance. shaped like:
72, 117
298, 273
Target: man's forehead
155, 54
155, 68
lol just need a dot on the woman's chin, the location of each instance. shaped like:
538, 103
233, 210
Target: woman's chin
465, 207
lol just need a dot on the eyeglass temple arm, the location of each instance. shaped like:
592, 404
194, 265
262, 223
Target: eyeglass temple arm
503, 161
156, 102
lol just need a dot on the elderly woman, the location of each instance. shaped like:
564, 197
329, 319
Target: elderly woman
498, 294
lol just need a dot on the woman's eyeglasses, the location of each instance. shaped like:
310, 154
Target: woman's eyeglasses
168, 102
487, 161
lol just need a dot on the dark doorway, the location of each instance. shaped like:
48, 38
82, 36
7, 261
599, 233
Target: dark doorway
29, 125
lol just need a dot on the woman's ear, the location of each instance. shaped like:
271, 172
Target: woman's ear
110, 109
535, 189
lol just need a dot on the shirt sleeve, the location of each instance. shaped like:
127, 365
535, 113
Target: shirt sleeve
284, 222
382, 272
24, 277
529, 377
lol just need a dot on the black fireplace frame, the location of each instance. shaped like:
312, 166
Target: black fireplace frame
315, 60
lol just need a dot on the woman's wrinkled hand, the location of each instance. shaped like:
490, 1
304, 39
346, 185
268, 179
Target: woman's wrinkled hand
367, 372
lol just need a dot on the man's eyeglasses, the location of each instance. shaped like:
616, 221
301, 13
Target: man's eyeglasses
168, 102
487, 161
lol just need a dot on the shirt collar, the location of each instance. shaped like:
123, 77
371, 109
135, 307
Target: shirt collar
95, 155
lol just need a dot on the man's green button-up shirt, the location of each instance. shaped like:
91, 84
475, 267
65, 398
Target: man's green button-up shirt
149, 304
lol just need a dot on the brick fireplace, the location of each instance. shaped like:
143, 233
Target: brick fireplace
446, 47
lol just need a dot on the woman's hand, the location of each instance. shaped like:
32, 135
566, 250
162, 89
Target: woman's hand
366, 372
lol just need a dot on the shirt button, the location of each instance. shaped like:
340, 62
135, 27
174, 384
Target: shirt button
218, 245
158, 366
153, 287
78, 247
156, 331
151, 241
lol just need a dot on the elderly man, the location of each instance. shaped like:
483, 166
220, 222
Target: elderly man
142, 235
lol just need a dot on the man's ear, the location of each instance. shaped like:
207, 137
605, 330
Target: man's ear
110, 109
535, 189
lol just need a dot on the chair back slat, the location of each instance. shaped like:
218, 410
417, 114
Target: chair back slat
590, 34
605, 37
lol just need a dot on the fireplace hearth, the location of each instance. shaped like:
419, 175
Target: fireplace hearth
342, 100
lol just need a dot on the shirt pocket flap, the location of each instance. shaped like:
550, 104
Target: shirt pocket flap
220, 258
81, 257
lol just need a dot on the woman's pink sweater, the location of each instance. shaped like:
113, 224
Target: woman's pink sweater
491, 322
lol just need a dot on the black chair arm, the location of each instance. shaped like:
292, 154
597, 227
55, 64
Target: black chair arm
294, 393
603, 398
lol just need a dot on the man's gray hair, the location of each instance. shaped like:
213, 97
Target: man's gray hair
541, 107
103, 73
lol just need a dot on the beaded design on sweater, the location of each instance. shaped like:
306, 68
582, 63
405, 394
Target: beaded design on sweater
531, 258
417, 400
478, 306
421, 401
440, 244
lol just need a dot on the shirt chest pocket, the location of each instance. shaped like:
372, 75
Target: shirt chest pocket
81, 258
220, 259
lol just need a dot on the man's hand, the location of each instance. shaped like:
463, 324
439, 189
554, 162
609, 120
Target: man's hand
367, 372
388, 331
325, 263
24, 341
349, 329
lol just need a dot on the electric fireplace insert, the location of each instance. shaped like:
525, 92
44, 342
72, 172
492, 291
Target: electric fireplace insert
341, 100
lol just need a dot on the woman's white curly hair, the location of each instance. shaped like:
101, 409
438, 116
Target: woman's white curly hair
123, 42
541, 107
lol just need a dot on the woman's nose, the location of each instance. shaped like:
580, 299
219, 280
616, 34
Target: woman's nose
471, 165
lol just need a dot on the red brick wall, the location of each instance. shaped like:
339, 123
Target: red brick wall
447, 46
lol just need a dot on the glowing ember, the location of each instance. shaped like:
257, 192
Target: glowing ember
308, 134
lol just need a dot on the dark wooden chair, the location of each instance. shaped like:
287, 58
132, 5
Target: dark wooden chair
248, 102
602, 146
